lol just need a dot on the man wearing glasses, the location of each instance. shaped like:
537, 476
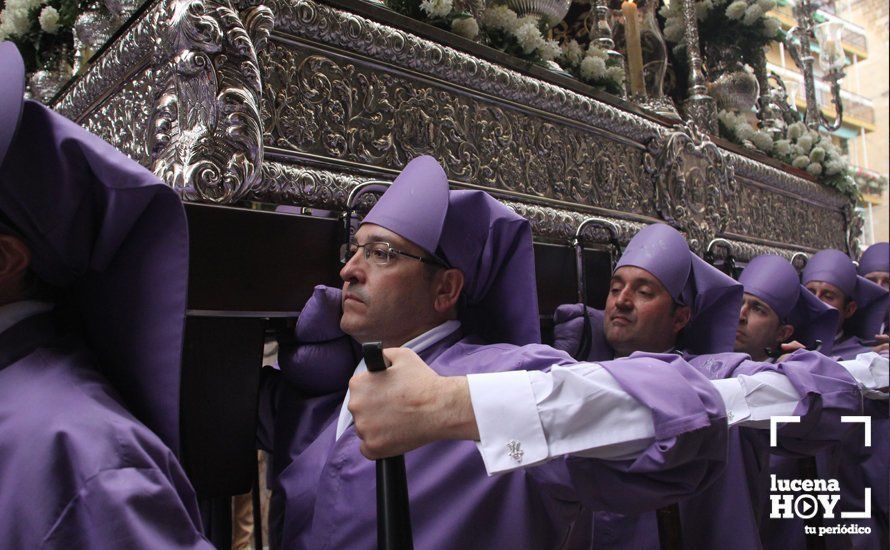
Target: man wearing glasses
450, 275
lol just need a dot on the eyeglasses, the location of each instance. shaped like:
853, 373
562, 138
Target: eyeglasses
381, 253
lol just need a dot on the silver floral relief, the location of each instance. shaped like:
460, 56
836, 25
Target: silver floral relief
696, 189
123, 118
114, 68
206, 133
783, 181
320, 105
297, 186
325, 24
765, 214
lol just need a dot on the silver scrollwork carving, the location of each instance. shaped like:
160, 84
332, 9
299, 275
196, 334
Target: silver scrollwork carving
206, 133
694, 184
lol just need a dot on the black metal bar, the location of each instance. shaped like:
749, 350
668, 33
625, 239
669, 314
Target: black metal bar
670, 532
393, 508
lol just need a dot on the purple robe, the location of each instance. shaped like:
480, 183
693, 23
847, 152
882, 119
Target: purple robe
77, 470
328, 494
849, 348
733, 503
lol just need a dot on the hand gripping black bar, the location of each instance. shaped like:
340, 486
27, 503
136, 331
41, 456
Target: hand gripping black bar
393, 514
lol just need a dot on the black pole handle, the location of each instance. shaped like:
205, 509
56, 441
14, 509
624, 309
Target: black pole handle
393, 512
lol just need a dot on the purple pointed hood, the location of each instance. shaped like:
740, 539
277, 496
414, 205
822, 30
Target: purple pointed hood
113, 238
715, 298
471, 231
492, 245
875, 258
415, 204
775, 281
836, 268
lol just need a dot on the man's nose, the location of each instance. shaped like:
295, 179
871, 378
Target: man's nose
624, 299
743, 315
354, 269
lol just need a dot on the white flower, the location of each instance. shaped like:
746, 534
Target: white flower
572, 53
814, 168
528, 20
801, 162
752, 15
549, 50
499, 18
593, 68
817, 154
744, 131
833, 167
49, 20
593, 51
615, 74
466, 27
728, 118
529, 37
674, 33
436, 8
796, 130
14, 20
762, 141
771, 26
783, 147
736, 10
766, 5
805, 143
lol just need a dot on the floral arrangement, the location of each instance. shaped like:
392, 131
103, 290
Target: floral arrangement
593, 66
800, 147
441, 13
742, 23
42, 29
497, 26
523, 37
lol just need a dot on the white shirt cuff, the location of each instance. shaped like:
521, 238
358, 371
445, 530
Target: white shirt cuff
513, 440
871, 372
733, 394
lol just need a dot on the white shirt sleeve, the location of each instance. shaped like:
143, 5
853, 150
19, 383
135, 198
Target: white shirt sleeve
528, 417
525, 418
871, 372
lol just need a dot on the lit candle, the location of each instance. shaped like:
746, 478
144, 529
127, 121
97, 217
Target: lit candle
634, 50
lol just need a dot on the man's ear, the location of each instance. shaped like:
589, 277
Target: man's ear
784, 333
682, 315
849, 309
449, 284
15, 257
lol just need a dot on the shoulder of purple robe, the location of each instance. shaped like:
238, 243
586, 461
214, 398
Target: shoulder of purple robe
689, 450
568, 327
849, 348
321, 358
471, 355
828, 392
69, 450
125, 508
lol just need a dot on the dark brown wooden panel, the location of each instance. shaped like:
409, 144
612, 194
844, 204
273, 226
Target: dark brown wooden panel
252, 260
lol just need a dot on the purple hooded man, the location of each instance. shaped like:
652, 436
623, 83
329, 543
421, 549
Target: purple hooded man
448, 276
831, 276
663, 297
777, 309
93, 260
874, 264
